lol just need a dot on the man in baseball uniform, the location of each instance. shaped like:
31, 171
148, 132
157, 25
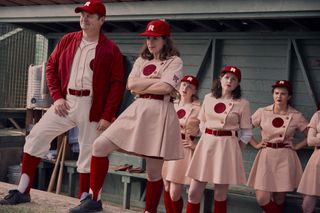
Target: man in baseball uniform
85, 76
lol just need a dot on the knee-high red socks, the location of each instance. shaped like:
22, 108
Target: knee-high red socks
84, 183
177, 205
153, 194
99, 169
272, 207
170, 205
29, 166
193, 208
167, 202
220, 206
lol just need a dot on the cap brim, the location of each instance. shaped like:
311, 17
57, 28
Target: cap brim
85, 9
151, 34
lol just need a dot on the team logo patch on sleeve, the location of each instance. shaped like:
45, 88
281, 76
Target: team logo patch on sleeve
176, 78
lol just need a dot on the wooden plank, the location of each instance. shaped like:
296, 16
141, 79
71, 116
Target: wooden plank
15, 124
306, 77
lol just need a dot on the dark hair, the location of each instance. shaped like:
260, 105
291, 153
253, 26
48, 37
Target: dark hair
169, 49
289, 90
216, 89
289, 93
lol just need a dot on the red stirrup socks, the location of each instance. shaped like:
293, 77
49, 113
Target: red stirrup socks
193, 208
153, 194
220, 206
167, 202
84, 183
98, 171
177, 205
29, 166
271, 207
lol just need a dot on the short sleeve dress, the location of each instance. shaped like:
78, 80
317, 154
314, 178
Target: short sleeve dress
277, 169
175, 171
310, 181
150, 127
218, 159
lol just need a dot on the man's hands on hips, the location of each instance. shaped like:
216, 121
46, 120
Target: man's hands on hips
61, 107
103, 125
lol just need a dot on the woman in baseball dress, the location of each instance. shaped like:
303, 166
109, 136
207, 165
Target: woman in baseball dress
310, 181
277, 168
218, 158
174, 172
149, 127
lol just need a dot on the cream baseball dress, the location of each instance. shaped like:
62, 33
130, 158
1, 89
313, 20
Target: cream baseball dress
175, 171
276, 169
218, 159
310, 181
150, 127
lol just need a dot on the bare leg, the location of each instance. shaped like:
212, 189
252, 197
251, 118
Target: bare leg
309, 203
167, 198
195, 191
154, 184
263, 197
100, 164
220, 198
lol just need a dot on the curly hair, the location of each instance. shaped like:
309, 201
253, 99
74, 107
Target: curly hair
168, 50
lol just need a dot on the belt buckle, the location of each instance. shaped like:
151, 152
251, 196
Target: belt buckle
80, 92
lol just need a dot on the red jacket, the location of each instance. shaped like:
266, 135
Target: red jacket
108, 74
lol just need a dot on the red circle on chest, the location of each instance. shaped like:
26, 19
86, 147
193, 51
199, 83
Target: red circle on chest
91, 64
277, 122
220, 107
181, 113
148, 70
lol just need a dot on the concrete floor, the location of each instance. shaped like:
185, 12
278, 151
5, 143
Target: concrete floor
45, 202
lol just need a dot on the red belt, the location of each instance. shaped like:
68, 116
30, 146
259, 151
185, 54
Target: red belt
152, 96
276, 145
220, 132
80, 93
183, 136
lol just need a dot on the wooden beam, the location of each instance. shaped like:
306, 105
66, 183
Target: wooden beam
174, 10
201, 71
262, 24
299, 24
15, 124
204, 25
305, 74
289, 60
231, 24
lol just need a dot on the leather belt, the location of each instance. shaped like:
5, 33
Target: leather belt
183, 136
276, 145
220, 132
153, 96
79, 93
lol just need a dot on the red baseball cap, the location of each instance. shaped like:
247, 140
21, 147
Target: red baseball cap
283, 83
92, 6
232, 69
157, 28
191, 79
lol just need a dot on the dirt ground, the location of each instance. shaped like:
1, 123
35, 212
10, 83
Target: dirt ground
45, 202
